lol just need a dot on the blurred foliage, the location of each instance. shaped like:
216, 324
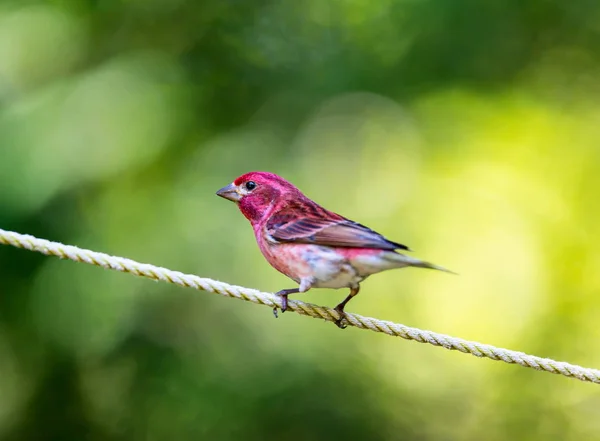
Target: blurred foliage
468, 130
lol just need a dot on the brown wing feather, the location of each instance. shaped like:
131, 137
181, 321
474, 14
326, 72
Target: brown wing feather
321, 227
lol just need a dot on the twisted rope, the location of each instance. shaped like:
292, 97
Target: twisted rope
395, 329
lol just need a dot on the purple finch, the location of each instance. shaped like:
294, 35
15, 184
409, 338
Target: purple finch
309, 244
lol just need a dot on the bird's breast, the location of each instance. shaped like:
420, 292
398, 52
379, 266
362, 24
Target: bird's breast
324, 266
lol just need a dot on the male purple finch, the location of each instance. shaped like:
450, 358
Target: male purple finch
311, 245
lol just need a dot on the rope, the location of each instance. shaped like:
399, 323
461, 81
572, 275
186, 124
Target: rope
187, 280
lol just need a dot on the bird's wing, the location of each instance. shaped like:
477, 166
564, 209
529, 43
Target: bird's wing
312, 224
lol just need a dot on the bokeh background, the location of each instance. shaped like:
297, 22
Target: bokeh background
468, 130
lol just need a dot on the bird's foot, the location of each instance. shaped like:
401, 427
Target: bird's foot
284, 302
341, 322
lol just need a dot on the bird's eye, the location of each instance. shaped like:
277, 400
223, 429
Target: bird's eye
250, 185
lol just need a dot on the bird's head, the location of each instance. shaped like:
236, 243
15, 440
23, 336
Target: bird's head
256, 192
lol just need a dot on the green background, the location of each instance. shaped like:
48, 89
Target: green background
468, 130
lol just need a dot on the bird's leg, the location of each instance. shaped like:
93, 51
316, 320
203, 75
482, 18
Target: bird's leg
340, 308
305, 285
284, 299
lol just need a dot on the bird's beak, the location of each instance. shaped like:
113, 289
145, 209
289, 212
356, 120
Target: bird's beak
229, 192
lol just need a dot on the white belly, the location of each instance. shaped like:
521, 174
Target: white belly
329, 270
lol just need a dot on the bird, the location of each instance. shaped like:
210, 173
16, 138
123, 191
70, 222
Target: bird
311, 245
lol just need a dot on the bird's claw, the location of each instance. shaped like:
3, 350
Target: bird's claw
341, 322
284, 304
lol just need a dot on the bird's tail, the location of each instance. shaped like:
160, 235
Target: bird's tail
412, 261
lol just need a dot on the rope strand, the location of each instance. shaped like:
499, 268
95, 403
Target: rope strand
394, 329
